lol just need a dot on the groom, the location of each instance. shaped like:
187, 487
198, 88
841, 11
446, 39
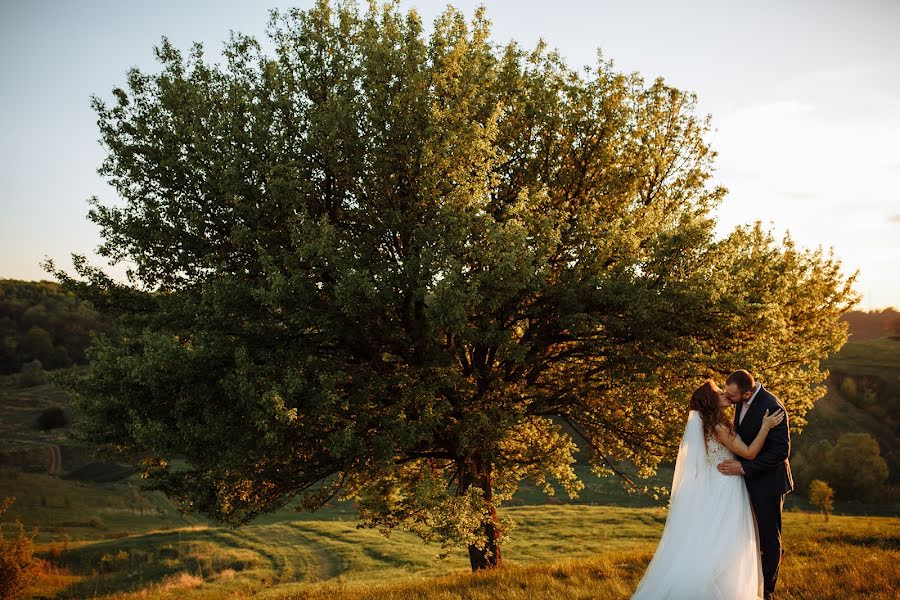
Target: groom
768, 476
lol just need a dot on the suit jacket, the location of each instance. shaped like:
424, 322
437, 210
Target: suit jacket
769, 474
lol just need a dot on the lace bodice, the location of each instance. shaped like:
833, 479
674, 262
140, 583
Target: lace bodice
716, 452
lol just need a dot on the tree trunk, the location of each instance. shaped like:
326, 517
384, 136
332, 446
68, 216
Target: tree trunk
478, 472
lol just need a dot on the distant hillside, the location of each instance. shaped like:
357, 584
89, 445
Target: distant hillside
867, 375
834, 416
872, 324
38, 321
863, 397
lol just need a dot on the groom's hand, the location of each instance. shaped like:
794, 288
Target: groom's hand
729, 467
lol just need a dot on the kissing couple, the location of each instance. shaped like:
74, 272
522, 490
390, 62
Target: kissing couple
722, 538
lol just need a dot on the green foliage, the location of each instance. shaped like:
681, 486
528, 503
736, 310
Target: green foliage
853, 465
32, 374
52, 418
37, 344
821, 495
388, 267
856, 467
39, 321
810, 463
18, 566
112, 562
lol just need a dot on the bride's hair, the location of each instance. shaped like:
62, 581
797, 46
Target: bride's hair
705, 400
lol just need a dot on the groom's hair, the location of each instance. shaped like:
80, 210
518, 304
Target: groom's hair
742, 379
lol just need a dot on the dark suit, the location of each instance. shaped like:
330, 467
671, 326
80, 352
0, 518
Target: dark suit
768, 478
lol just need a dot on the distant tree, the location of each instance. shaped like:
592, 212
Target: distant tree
52, 418
821, 495
10, 360
810, 463
36, 316
37, 344
32, 374
390, 267
18, 566
849, 389
857, 470
59, 358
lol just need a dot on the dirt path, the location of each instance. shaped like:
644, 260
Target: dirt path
328, 565
55, 467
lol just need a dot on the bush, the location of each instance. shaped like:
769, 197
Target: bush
18, 566
849, 389
853, 465
821, 495
59, 358
52, 418
811, 464
857, 469
32, 374
37, 343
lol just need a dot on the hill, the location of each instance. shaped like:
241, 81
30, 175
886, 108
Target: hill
38, 321
866, 325
864, 397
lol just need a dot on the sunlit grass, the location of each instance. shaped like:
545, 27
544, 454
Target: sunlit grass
556, 551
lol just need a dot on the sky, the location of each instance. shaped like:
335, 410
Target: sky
804, 97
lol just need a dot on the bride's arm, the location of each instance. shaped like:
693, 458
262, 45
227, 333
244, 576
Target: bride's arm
737, 445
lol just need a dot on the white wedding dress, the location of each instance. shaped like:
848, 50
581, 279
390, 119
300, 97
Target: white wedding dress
709, 548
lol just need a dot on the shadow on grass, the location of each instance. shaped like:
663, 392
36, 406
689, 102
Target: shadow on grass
883, 542
132, 563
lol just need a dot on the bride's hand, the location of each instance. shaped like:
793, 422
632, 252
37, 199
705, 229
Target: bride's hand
770, 421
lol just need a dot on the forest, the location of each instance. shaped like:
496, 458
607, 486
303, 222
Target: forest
38, 321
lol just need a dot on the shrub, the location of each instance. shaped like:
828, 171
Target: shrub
821, 495
37, 343
52, 418
857, 469
32, 373
853, 466
849, 389
59, 358
18, 566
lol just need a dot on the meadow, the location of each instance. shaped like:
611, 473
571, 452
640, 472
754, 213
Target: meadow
100, 536
109, 542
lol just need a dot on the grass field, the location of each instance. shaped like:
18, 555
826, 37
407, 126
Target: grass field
110, 543
555, 551
879, 357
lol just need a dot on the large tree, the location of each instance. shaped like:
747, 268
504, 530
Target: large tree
405, 268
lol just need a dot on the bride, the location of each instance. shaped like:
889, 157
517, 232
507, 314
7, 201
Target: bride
709, 547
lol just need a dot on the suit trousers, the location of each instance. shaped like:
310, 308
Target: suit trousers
768, 511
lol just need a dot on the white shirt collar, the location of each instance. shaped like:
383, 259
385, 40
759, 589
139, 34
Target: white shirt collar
755, 392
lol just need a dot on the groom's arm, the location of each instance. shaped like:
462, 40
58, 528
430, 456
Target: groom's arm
774, 452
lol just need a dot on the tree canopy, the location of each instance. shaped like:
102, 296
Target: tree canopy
391, 266
39, 321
